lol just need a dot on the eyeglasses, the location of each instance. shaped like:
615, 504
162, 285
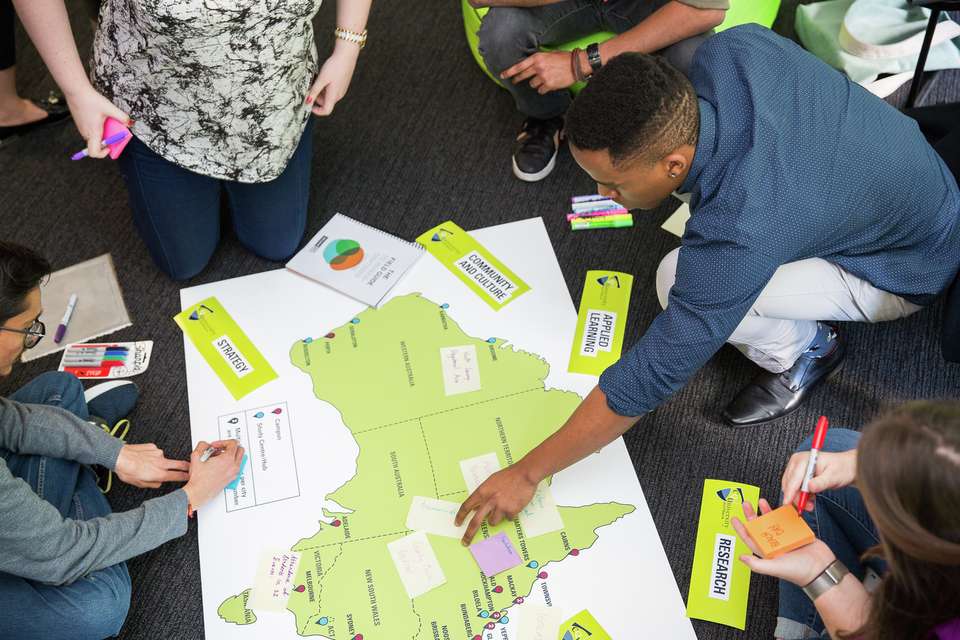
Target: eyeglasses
31, 336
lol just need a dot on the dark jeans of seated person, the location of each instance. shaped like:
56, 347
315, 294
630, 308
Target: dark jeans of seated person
840, 519
96, 605
177, 211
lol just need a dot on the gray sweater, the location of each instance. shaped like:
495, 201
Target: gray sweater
36, 542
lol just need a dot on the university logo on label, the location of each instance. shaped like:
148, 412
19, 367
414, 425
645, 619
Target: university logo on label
232, 356
721, 571
598, 332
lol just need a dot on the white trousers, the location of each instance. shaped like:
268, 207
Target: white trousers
782, 322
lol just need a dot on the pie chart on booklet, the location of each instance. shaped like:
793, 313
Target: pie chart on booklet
343, 254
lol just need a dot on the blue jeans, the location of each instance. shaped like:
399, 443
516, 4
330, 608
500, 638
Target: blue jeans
840, 519
96, 605
177, 211
510, 34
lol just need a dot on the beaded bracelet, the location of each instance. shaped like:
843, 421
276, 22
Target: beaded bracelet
352, 36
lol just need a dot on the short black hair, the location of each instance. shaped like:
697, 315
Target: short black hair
21, 271
636, 107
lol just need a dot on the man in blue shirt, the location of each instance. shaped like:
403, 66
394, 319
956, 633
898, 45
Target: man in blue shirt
811, 199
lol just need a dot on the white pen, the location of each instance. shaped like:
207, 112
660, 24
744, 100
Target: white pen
62, 327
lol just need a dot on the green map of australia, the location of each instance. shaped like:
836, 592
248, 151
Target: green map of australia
383, 372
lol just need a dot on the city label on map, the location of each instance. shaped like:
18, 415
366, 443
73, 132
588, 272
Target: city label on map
271, 472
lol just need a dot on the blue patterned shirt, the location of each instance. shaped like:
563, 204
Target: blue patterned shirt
793, 161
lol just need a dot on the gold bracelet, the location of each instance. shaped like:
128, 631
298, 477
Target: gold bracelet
352, 36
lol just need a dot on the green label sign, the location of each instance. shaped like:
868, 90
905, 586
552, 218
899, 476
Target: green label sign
720, 583
583, 626
225, 347
473, 264
601, 321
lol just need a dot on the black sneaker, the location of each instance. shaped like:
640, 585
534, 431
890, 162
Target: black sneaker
535, 152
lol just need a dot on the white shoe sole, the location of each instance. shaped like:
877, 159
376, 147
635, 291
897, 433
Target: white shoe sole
539, 175
543, 173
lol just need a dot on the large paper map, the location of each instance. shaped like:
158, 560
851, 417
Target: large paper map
363, 418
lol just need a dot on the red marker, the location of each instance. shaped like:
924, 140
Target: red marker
819, 435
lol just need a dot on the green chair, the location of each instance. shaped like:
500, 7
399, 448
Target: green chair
740, 12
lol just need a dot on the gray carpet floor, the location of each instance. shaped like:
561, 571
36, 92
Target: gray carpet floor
421, 137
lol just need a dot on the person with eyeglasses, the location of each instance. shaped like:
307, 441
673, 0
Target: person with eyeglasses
62, 549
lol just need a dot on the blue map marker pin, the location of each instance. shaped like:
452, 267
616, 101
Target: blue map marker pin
533, 564
323, 621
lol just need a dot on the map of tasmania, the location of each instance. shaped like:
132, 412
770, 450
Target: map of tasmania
383, 372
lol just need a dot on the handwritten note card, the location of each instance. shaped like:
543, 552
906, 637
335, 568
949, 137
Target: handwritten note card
476, 470
461, 372
416, 563
273, 583
435, 516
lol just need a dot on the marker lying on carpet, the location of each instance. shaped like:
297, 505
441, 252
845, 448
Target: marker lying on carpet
115, 138
62, 327
619, 211
608, 222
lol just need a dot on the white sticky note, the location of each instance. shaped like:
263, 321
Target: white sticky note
541, 515
416, 563
435, 516
461, 372
538, 623
677, 222
273, 583
476, 470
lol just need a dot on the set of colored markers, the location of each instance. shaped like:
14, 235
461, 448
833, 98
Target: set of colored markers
597, 212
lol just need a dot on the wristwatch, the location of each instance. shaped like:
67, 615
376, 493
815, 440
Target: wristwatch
593, 57
827, 580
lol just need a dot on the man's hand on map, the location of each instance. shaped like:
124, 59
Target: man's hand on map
207, 479
145, 466
502, 495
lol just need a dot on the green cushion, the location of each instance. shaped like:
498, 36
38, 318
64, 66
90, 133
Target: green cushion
740, 12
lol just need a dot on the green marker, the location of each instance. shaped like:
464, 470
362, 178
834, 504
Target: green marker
600, 223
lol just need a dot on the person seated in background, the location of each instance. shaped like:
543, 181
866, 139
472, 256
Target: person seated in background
62, 551
901, 517
513, 31
19, 116
812, 200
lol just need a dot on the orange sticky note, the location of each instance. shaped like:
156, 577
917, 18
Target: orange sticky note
780, 531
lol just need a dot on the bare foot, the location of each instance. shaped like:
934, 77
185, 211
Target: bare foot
20, 111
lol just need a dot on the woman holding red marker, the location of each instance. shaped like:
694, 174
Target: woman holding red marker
222, 94
887, 504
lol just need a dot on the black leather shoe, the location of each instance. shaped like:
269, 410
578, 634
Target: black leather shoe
57, 112
774, 395
535, 151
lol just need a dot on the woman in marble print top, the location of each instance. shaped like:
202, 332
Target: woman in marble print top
221, 92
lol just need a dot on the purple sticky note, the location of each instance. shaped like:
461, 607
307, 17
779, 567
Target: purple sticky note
495, 554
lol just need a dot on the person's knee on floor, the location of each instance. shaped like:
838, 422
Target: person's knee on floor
505, 38
102, 606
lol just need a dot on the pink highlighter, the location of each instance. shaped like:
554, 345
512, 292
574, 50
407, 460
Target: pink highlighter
115, 135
